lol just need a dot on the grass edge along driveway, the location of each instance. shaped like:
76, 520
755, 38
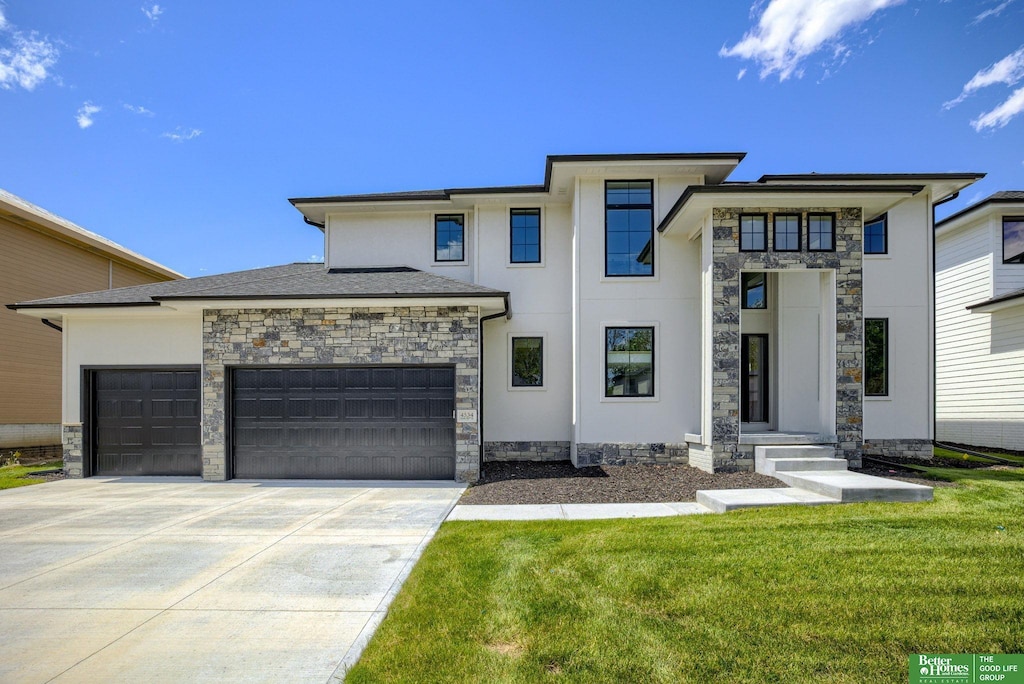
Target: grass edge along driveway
12, 476
829, 593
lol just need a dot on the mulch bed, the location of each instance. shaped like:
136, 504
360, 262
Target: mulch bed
522, 482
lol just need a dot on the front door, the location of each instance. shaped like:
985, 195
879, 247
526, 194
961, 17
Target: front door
754, 381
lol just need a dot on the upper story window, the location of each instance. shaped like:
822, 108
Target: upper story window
787, 232
449, 237
753, 232
525, 236
629, 228
876, 236
1013, 239
629, 362
755, 291
821, 232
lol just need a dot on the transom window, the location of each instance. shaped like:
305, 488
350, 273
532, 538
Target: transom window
629, 362
527, 361
1013, 240
876, 357
876, 236
755, 291
629, 228
525, 239
449, 237
787, 232
753, 232
821, 232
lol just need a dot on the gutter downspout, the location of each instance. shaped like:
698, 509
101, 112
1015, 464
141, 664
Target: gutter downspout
935, 346
321, 226
47, 322
508, 314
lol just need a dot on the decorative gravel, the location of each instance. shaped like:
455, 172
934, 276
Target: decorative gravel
523, 482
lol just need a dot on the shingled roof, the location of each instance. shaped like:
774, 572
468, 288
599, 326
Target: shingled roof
1002, 197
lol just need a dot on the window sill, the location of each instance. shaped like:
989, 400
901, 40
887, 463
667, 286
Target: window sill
630, 279
877, 257
541, 388
531, 264
450, 263
871, 397
630, 400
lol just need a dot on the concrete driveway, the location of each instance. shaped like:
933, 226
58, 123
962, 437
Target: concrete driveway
174, 579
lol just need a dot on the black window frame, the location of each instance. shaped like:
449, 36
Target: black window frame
821, 214
448, 217
743, 290
608, 207
610, 328
518, 211
1019, 259
884, 220
799, 231
885, 357
512, 360
764, 231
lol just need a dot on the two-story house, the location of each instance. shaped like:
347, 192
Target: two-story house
630, 308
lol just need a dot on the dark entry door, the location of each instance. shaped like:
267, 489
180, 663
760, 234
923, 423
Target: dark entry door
146, 422
754, 384
392, 422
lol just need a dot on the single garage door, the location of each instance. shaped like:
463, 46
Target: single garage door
390, 422
146, 422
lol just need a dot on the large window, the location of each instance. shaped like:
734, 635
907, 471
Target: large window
753, 232
629, 228
1013, 239
527, 361
755, 291
525, 237
787, 232
876, 357
821, 232
876, 236
449, 237
629, 362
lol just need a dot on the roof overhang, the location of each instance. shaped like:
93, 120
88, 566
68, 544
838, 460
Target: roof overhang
975, 212
940, 185
998, 303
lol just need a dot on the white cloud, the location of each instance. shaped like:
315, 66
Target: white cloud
1008, 70
741, 74
25, 58
790, 31
994, 12
84, 115
153, 13
182, 134
1001, 115
138, 110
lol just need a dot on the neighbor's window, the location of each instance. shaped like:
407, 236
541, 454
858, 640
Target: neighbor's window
753, 232
525, 227
821, 232
629, 228
876, 236
787, 232
449, 237
527, 361
1013, 239
629, 362
755, 291
876, 357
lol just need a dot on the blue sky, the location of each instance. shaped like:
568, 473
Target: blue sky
180, 129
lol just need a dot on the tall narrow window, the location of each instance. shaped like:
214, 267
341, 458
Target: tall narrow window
449, 237
527, 361
629, 228
876, 236
1013, 240
629, 362
787, 232
876, 357
525, 237
821, 232
755, 291
753, 232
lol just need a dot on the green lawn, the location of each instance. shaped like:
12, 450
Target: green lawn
798, 594
14, 475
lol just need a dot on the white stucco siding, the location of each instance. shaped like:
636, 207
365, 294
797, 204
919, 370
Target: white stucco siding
125, 340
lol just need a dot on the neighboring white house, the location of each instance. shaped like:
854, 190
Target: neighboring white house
631, 308
979, 290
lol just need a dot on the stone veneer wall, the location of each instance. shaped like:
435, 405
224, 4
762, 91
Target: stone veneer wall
728, 261
73, 450
620, 453
919, 449
526, 451
326, 336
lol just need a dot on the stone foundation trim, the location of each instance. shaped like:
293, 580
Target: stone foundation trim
917, 449
631, 453
51, 452
526, 451
73, 437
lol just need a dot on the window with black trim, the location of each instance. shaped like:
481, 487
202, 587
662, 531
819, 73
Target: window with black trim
876, 357
629, 228
1013, 239
449, 237
753, 232
876, 235
821, 232
755, 291
525, 236
629, 362
786, 229
527, 361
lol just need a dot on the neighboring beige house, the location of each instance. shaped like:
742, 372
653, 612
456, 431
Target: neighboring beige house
44, 255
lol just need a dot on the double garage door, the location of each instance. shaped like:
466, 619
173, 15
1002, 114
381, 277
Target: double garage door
392, 422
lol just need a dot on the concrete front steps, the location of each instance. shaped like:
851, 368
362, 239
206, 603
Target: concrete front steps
815, 476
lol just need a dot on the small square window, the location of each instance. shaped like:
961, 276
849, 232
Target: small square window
876, 236
1013, 240
753, 232
449, 237
821, 232
876, 357
527, 361
787, 232
629, 362
525, 236
755, 291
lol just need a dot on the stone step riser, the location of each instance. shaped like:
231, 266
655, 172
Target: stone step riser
853, 491
794, 451
770, 466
